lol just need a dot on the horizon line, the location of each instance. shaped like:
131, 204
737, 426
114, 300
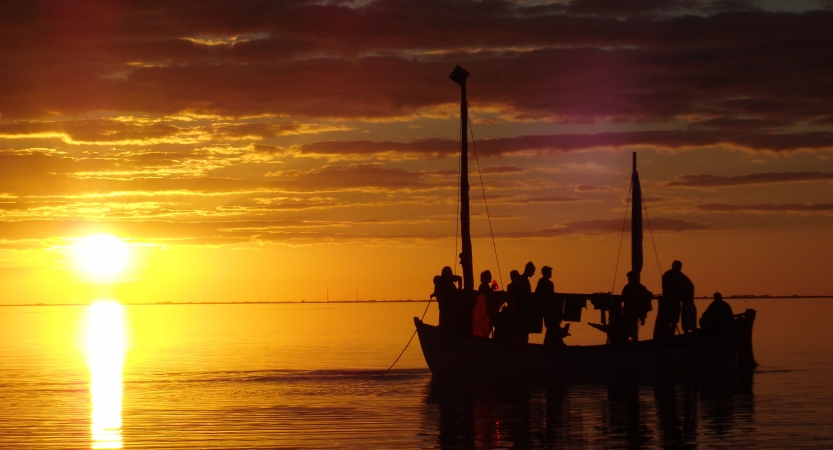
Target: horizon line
283, 302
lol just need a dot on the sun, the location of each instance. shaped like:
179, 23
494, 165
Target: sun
102, 256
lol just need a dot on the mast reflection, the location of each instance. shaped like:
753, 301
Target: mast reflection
105, 345
688, 412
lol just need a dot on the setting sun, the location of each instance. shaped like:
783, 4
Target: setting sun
102, 255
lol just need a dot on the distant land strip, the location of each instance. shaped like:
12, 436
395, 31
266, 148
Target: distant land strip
736, 297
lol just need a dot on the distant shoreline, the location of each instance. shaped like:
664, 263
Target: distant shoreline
319, 302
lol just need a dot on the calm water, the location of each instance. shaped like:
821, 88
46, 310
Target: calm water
306, 376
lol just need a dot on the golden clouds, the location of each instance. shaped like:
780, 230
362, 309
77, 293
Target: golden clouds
146, 131
258, 125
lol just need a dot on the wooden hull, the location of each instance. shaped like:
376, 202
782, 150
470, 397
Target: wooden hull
472, 359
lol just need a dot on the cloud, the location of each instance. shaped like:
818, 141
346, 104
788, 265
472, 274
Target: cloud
655, 7
560, 143
601, 226
151, 131
262, 130
589, 188
530, 200
169, 119
502, 170
718, 63
422, 146
768, 207
359, 177
711, 181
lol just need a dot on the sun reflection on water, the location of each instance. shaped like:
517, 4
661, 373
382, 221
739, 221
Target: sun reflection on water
106, 346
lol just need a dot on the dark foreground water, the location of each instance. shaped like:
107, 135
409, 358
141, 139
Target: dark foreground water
307, 376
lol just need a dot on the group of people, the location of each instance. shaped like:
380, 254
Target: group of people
513, 316
545, 304
677, 305
674, 306
519, 313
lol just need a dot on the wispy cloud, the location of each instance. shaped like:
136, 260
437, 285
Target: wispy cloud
768, 207
604, 226
560, 143
646, 61
711, 181
591, 188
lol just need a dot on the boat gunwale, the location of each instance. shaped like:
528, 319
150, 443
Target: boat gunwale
677, 342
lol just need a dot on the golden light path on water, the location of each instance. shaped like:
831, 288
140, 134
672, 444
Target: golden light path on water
106, 347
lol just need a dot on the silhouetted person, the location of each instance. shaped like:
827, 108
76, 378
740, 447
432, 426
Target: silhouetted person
510, 320
486, 284
444, 284
446, 287
636, 302
493, 301
675, 288
718, 318
514, 279
545, 285
529, 311
525, 286
553, 308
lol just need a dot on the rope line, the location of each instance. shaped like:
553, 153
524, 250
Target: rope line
622, 238
483, 188
409, 341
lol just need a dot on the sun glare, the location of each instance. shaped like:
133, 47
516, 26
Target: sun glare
106, 349
102, 256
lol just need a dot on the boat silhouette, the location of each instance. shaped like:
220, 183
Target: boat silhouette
458, 349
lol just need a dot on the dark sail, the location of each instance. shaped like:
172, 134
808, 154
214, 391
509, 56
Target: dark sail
636, 224
459, 76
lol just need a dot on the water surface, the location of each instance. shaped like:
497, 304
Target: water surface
306, 376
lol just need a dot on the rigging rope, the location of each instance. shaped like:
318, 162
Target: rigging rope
656, 254
483, 188
622, 238
409, 341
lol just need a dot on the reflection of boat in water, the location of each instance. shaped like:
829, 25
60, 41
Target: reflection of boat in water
665, 412
455, 352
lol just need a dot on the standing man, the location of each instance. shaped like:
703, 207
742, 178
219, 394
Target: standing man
552, 308
525, 285
636, 302
677, 289
527, 307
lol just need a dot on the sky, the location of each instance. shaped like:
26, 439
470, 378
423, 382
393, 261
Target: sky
304, 150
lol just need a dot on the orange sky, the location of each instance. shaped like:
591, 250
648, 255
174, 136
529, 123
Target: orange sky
262, 151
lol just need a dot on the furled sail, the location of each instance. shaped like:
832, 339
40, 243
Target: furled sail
636, 224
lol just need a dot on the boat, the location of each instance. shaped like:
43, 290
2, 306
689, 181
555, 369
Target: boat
464, 354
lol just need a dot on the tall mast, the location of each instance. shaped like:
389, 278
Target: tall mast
459, 76
636, 244
636, 224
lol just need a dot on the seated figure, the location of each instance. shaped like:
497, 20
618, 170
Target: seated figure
718, 318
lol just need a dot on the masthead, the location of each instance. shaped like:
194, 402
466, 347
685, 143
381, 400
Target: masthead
459, 75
